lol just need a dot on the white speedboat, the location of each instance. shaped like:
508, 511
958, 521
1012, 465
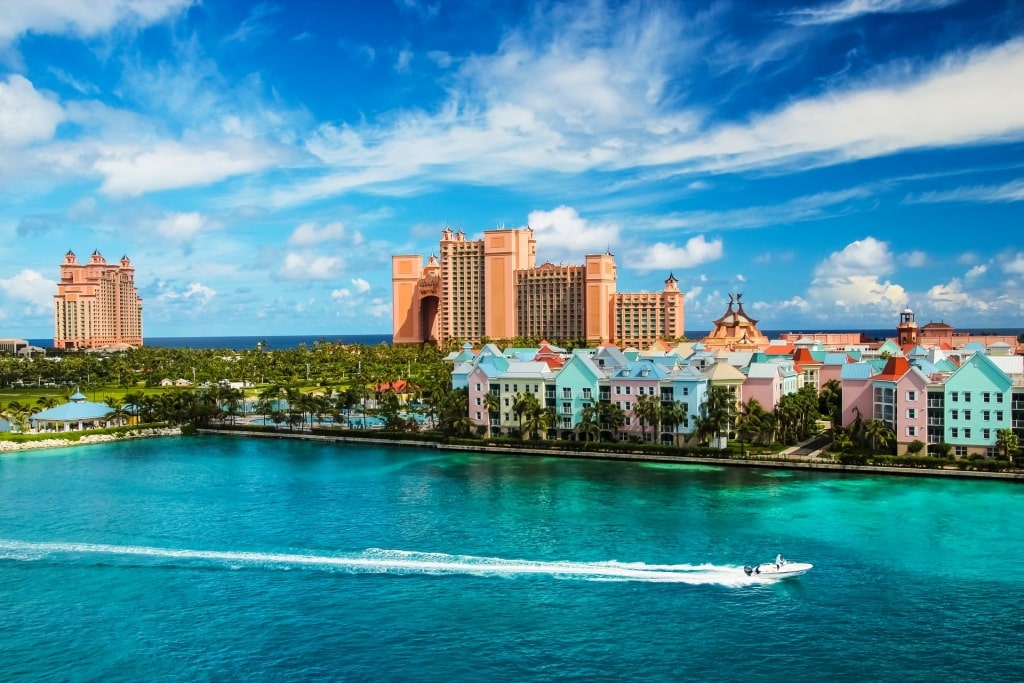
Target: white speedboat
781, 568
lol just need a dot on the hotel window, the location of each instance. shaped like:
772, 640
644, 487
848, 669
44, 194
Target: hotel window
986, 434
911, 395
955, 432
967, 432
986, 415
911, 413
986, 397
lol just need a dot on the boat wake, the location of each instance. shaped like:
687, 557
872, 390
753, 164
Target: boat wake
377, 561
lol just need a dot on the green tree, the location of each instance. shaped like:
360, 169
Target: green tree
492, 406
648, 410
588, 426
1007, 443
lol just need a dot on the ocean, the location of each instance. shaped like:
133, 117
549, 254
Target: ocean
220, 558
294, 341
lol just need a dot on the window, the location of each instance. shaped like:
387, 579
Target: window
506, 387
567, 408
986, 434
967, 397
618, 390
911, 430
911, 413
955, 396
967, 432
999, 398
515, 388
986, 397
960, 451
586, 394
627, 390
478, 386
479, 401
686, 391
479, 416
955, 414
566, 392
629, 405
986, 415
999, 416
967, 415
955, 432
911, 395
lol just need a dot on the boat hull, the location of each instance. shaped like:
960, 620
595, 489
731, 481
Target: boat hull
770, 570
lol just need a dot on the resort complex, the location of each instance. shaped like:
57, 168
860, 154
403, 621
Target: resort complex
96, 305
491, 288
961, 396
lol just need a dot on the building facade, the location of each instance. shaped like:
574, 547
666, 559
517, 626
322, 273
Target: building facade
97, 304
492, 288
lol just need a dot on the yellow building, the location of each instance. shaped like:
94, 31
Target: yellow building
96, 304
493, 288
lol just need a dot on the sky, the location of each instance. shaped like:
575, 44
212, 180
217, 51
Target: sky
836, 161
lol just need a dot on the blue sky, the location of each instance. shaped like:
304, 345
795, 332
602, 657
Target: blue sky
834, 160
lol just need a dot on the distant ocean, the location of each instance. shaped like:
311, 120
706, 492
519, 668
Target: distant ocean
294, 341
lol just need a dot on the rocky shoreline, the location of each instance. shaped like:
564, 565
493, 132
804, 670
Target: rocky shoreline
56, 442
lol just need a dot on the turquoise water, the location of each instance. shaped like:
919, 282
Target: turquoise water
218, 558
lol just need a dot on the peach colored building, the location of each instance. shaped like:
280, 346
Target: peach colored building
492, 288
96, 304
735, 330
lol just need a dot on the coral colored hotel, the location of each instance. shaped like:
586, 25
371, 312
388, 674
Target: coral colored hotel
492, 288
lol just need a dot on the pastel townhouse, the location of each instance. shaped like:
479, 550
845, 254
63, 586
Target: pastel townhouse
629, 384
857, 392
576, 386
768, 382
690, 388
978, 401
899, 397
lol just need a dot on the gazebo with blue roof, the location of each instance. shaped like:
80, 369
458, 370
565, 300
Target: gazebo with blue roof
78, 414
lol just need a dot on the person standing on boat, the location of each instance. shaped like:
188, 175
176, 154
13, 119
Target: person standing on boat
778, 561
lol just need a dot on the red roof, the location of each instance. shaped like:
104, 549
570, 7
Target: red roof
803, 357
896, 367
779, 350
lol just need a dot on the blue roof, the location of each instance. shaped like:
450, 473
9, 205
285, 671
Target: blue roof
78, 409
857, 371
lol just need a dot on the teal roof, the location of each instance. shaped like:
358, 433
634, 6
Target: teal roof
78, 409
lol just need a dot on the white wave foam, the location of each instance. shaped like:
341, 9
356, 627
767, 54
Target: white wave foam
378, 561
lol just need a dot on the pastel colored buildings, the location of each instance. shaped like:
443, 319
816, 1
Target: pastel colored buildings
492, 288
961, 397
96, 304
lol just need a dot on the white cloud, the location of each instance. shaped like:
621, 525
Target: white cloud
307, 265
341, 294
862, 257
26, 115
32, 290
562, 234
181, 228
951, 298
977, 271
404, 59
849, 282
962, 100
915, 259
198, 292
1009, 192
666, 256
130, 170
845, 10
310, 234
361, 285
83, 17
1015, 265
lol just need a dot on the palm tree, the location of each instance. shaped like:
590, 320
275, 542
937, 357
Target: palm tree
879, 434
612, 417
492, 405
117, 414
539, 420
523, 405
1007, 443
674, 415
47, 402
648, 411
588, 426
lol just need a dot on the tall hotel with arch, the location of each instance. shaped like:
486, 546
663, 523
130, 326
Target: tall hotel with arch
492, 288
96, 304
